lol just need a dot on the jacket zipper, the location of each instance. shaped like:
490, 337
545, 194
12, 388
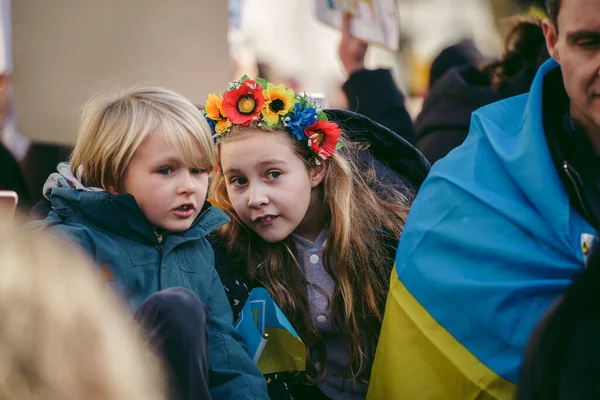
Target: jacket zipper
574, 177
159, 246
160, 252
200, 217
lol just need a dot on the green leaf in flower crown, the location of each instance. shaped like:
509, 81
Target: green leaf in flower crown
303, 103
322, 116
244, 78
339, 145
262, 83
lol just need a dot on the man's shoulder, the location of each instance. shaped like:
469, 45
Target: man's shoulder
515, 114
505, 114
494, 132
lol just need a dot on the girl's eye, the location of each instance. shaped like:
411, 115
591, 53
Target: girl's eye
198, 170
274, 174
165, 171
238, 181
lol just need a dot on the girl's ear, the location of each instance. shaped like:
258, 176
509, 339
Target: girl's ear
111, 190
317, 174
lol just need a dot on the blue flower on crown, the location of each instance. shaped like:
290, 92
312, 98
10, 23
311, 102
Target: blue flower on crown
300, 119
211, 123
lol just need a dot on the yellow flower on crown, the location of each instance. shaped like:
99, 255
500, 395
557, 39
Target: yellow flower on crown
278, 101
213, 107
214, 111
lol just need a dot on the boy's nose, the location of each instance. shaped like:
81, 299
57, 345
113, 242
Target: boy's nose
186, 184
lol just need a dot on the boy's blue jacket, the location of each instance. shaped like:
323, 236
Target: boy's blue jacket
118, 237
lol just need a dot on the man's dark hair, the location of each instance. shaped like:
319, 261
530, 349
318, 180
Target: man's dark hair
552, 7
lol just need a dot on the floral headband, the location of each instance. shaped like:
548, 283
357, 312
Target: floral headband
261, 104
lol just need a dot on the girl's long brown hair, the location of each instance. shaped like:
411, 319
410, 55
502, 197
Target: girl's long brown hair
364, 221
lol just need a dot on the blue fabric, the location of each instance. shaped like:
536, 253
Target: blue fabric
491, 240
116, 234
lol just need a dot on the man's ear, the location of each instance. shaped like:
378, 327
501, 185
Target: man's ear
551, 35
317, 174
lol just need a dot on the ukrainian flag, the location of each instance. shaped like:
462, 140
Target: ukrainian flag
490, 243
273, 344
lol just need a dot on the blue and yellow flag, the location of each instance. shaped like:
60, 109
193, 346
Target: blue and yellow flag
490, 243
273, 343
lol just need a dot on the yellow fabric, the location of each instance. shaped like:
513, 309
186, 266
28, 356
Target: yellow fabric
283, 352
537, 12
418, 359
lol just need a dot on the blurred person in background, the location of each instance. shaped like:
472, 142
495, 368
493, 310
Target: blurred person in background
500, 229
445, 118
11, 175
462, 54
459, 86
372, 93
63, 336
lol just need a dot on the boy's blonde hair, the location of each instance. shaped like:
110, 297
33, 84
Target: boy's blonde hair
63, 335
113, 126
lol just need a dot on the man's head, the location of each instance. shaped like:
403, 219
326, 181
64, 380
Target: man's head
576, 47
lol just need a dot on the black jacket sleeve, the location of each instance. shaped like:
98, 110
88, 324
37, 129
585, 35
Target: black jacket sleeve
373, 93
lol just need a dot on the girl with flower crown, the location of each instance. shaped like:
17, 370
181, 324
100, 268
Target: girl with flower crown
311, 223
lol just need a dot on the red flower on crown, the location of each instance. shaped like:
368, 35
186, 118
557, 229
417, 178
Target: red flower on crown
243, 105
323, 137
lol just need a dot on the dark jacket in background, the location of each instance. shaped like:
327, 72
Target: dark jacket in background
462, 54
12, 178
374, 93
446, 115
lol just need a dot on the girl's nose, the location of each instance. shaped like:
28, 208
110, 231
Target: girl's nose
257, 196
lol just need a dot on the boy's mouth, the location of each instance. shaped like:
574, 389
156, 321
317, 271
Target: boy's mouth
184, 210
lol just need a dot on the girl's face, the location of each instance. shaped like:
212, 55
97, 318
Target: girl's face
169, 192
270, 187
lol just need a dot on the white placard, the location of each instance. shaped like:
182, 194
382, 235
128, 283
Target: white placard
375, 21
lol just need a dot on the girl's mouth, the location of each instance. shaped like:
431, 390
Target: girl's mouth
266, 220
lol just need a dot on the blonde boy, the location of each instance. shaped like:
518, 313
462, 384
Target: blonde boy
133, 198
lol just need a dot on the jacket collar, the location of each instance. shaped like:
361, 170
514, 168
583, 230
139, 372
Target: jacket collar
120, 214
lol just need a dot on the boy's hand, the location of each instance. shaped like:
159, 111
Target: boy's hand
351, 51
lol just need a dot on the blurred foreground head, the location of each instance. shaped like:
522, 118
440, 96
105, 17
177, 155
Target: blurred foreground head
63, 335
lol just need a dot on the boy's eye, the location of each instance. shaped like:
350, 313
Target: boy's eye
165, 171
198, 170
238, 181
274, 174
